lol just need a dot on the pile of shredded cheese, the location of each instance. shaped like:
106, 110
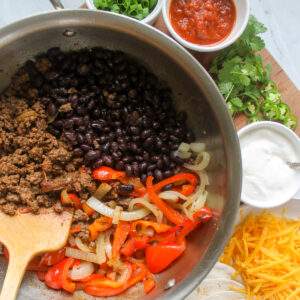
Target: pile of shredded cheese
265, 251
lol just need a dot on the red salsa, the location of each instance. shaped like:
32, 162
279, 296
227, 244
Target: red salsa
203, 22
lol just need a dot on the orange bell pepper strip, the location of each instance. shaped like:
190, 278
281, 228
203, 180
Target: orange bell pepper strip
88, 210
186, 189
105, 173
69, 198
149, 283
109, 292
100, 224
76, 201
173, 215
191, 178
158, 227
120, 236
135, 243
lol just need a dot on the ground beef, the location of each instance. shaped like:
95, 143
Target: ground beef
34, 165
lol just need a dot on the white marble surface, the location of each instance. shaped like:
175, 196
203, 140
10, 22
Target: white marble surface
281, 18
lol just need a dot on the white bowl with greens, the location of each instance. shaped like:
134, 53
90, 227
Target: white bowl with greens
146, 11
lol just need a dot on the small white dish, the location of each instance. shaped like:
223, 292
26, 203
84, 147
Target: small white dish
267, 180
242, 16
150, 19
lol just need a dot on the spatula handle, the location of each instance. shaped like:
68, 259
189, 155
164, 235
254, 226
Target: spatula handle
14, 275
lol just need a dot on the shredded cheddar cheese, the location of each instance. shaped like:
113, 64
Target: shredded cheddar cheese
265, 251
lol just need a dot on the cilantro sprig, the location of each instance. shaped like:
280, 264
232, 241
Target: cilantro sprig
242, 77
138, 9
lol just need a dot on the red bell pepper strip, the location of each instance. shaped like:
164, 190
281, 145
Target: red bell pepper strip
173, 215
109, 292
160, 256
158, 227
104, 282
149, 283
120, 236
135, 243
76, 201
191, 178
106, 173
88, 210
93, 276
100, 224
57, 276
50, 259
186, 189
76, 229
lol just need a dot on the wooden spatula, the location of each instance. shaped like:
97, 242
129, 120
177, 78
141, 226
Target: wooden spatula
27, 235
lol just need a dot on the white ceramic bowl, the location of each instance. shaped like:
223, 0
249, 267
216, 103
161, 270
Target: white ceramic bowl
291, 144
242, 16
150, 19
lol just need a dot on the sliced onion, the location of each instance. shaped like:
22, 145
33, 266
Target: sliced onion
184, 147
183, 154
197, 147
135, 260
78, 254
100, 248
71, 240
102, 190
172, 196
83, 247
117, 214
145, 203
108, 212
160, 217
82, 270
201, 161
107, 243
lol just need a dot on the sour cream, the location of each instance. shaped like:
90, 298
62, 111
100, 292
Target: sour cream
267, 179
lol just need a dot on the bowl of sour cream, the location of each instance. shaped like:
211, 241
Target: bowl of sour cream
268, 180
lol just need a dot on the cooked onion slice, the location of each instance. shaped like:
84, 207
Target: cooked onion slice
107, 243
172, 196
117, 214
184, 147
82, 270
75, 253
201, 162
83, 247
197, 147
145, 203
100, 248
183, 154
102, 190
108, 212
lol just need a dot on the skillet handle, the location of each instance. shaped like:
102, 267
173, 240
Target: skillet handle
57, 4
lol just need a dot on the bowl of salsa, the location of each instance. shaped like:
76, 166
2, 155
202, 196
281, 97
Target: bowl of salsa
206, 25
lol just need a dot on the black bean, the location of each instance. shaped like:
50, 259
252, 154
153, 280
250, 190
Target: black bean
151, 167
53, 131
77, 152
58, 124
105, 147
71, 136
168, 187
133, 147
168, 173
155, 158
96, 125
128, 170
158, 175
76, 120
81, 110
144, 178
166, 160
135, 130
160, 164
143, 166
51, 109
120, 166
126, 188
98, 163
133, 117
146, 156
83, 69
92, 155
89, 138
139, 158
85, 147
148, 142
68, 123
135, 138
103, 139
45, 100
123, 147
156, 125
145, 133
108, 161
61, 100
127, 159
114, 146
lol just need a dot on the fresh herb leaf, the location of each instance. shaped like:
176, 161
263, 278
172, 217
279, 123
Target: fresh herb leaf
240, 72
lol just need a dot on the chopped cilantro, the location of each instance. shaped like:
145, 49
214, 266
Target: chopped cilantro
240, 73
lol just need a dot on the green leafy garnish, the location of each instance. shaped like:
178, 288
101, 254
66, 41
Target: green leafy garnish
138, 9
241, 76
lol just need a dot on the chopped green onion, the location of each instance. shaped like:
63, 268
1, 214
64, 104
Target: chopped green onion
138, 9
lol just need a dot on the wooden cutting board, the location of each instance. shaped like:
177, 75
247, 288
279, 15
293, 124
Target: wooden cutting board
290, 94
